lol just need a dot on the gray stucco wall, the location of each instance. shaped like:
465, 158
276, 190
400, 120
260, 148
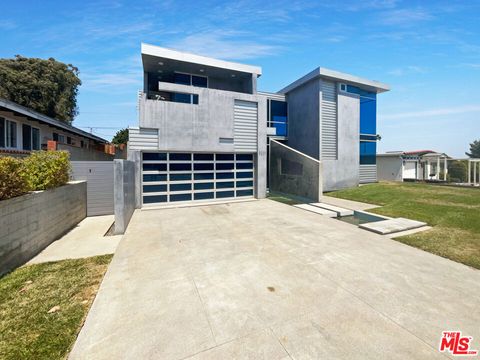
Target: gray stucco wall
294, 173
304, 118
124, 193
29, 223
344, 172
389, 168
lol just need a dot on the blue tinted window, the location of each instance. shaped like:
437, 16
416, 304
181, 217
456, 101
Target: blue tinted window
180, 167
368, 153
195, 99
281, 129
224, 194
155, 177
278, 117
203, 166
153, 167
181, 98
154, 199
244, 165
154, 188
245, 192
224, 185
244, 157
225, 166
180, 197
180, 177
180, 187
228, 175
368, 109
368, 137
180, 156
244, 183
154, 156
203, 186
243, 175
183, 79
203, 157
207, 176
200, 81
224, 157
203, 196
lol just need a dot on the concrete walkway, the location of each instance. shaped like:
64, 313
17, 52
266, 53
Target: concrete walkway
264, 280
85, 240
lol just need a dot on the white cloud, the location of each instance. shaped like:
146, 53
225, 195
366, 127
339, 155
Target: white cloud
434, 112
411, 69
404, 16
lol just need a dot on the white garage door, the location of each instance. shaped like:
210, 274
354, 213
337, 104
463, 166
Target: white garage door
186, 177
409, 170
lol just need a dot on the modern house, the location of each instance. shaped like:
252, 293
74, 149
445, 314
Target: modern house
412, 165
23, 130
204, 129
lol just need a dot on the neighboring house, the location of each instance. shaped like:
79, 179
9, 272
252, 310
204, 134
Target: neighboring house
204, 129
412, 165
23, 130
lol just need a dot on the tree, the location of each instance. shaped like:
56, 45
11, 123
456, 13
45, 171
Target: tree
47, 86
474, 150
121, 137
457, 171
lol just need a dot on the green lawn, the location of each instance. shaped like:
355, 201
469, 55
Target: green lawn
27, 329
453, 212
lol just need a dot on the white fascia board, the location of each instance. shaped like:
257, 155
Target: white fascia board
161, 52
325, 73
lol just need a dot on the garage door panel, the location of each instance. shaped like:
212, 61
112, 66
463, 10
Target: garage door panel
187, 177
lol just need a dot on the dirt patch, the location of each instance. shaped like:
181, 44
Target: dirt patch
271, 288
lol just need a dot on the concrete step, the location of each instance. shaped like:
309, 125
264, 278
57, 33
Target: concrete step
317, 210
339, 210
392, 225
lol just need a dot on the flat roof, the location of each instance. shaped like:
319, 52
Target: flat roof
34, 115
321, 72
162, 52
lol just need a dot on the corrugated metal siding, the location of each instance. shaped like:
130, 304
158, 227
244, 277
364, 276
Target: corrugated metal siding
245, 126
99, 177
142, 139
368, 174
329, 124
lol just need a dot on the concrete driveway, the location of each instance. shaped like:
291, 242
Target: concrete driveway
264, 280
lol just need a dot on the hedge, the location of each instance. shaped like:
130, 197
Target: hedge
40, 171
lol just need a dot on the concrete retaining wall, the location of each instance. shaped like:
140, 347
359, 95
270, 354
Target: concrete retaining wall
29, 223
124, 193
294, 173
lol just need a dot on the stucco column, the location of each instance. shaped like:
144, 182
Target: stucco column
437, 170
469, 171
445, 168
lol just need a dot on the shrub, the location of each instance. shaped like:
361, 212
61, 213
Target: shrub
13, 180
47, 169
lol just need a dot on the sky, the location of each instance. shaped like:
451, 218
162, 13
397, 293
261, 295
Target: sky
427, 51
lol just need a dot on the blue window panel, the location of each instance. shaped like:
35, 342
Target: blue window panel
199, 81
181, 98
368, 153
244, 183
225, 194
203, 196
203, 157
206, 176
280, 129
244, 166
225, 166
154, 199
368, 116
180, 156
224, 157
243, 175
244, 157
245, 192
183, 79
203, 166
154, 156
195, 99
154, 167
154, 188
203, 186
225, 185
180, 167
180, 177
180, 197
228, 175
180, 187
154, 177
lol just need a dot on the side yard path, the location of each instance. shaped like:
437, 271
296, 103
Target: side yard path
453, 212
43, 306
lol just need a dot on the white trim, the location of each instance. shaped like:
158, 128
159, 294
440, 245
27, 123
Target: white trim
296, 151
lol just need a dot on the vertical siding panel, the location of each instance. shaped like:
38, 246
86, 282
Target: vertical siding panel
245, 126
329, 123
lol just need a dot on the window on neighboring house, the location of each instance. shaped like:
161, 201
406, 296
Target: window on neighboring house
82, 144
2, 132
55, 136
27, 137
69, 140
10, 134
35, 139
61, 139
